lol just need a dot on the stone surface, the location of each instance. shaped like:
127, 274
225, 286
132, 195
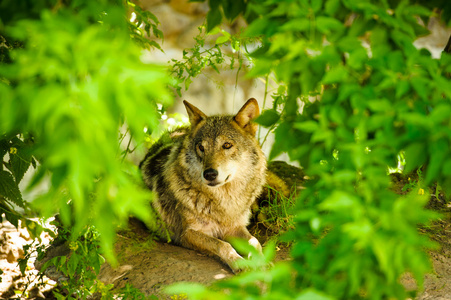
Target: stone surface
13, 283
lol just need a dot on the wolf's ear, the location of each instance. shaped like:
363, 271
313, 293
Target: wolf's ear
247, 113
194, 114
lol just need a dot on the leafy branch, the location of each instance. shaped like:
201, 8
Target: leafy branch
225, 52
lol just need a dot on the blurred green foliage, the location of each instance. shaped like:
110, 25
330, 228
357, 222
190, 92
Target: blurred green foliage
71, 79
354, 93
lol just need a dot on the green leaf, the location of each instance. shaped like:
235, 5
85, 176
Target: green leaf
328, 25
192, 289
417, 120
446, 185
447, 168
332, 6
360, 26
347, 90
307, 126
262, 68
269, 251
338, 114
421, 86
441, 112
257, 28
20, 162
357, 58
222, 39
233, 9
377, 121
415, 155
299, 24
286, 138
72, 264
340, 200
346, 176
9, 188
4, 147
312, 294
396, 61
10, 214
380, 105
336, 75
316, 5
438, 151
402, 87
214, 16
383, 249
268, 118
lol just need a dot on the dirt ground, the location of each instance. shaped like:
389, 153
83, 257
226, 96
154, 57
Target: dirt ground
437, 285
155, 265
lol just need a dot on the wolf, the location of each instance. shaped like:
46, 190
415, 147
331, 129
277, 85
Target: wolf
205, 178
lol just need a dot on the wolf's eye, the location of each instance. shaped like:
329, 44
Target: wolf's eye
201, 148
227, 145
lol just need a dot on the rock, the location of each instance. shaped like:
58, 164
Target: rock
148, 4
190, 8
10, 257
172, 22
25, 234
12, 281
186, 37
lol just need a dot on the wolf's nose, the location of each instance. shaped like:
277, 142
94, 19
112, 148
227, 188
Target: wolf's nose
210, 174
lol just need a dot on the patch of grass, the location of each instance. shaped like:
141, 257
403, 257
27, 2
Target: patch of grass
274, 215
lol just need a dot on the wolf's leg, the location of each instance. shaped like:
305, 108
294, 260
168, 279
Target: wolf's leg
197, 240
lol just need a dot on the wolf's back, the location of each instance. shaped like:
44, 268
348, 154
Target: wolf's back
157, 160
153, 164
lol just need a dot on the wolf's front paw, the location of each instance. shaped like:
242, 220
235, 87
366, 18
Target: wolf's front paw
256, 244
229, 255
237, 268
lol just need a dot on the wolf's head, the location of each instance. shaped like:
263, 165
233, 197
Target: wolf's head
221, 149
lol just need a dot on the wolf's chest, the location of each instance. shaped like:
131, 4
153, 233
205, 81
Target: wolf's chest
218, 221
220, 202
221, 208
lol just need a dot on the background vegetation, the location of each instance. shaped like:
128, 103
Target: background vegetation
71, 78
354, 95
